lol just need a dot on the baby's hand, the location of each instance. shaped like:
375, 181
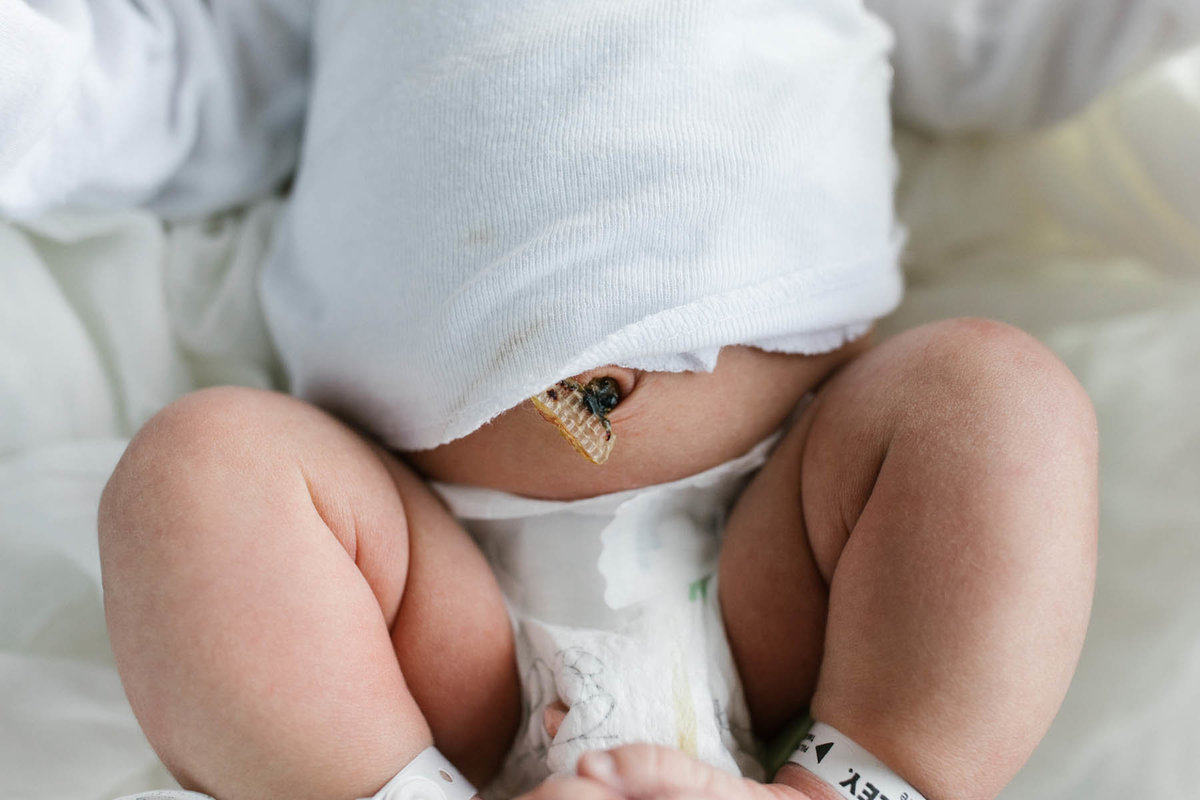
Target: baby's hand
572, 789
649, 772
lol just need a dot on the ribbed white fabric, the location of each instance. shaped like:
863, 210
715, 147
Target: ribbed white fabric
516, 192
495, 195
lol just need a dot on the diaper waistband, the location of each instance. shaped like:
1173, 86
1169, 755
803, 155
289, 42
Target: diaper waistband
480, 503
589, 562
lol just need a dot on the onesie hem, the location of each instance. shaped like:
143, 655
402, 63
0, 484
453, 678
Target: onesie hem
880, 278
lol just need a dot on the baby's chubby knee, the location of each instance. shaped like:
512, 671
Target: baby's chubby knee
201, 431
1000, 405
166, 513
217, 424
196, 454
998, 381
982, 417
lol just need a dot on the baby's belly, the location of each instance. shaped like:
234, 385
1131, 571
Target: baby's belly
668, 425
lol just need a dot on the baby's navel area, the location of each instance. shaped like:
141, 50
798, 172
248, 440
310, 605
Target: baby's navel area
666, 426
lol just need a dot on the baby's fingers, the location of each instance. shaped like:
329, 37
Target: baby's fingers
647, 771
572, 789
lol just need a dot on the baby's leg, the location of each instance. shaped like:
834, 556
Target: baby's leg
917, 559
293, 613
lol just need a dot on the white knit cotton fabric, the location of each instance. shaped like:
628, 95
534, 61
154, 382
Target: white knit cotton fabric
494, 196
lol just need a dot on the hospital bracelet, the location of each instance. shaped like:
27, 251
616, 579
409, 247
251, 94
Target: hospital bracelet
430, 776
853, 772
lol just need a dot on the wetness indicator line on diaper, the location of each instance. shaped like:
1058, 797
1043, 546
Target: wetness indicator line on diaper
848, 768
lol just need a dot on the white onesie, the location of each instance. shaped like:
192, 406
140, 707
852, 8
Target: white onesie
491, 196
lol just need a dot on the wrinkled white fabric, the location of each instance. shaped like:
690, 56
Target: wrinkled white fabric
187, 106
495, 196
1008, 65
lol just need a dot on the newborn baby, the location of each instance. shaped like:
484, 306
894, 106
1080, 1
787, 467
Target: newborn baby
403, 575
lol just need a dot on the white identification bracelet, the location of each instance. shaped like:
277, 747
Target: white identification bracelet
848, 768
430, 776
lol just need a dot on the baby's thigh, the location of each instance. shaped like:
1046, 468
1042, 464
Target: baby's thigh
252, 523
234, 467
773, 597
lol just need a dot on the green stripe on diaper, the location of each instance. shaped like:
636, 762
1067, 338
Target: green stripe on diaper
775, 753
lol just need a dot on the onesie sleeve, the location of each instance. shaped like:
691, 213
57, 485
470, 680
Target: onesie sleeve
184, 106
1008, 65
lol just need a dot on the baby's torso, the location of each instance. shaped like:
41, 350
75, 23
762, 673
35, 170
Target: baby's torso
668, 425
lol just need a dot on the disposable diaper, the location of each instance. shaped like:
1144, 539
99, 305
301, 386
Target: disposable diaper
614, 602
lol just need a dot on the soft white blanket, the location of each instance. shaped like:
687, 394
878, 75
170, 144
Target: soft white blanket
1087, 235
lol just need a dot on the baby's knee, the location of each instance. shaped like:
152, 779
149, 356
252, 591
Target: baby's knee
999, 381
184, 459
1022, 429
219, 427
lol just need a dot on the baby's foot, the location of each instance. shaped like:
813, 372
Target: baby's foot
643, 770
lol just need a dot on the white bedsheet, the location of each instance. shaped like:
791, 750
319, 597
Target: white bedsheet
1088, 236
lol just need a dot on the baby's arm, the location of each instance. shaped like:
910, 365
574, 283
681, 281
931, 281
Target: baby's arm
187, 106
969, 65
